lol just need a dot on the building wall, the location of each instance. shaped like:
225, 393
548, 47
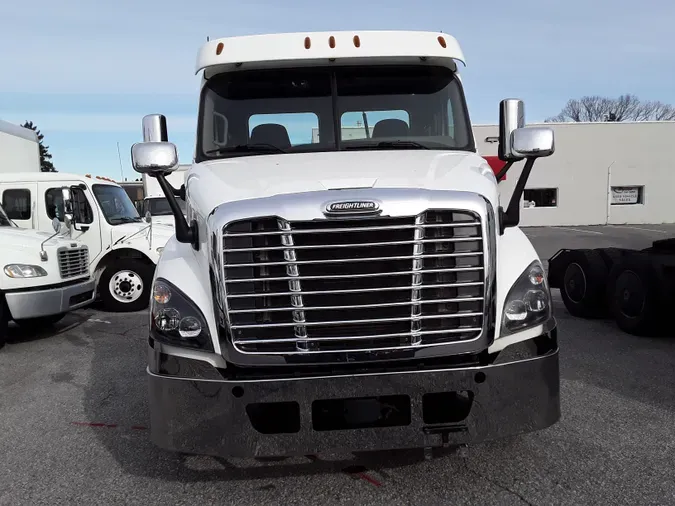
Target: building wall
589, 160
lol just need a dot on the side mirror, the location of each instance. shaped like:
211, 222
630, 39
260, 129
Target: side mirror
511, 117
56, 225
148, 217
67, 196
533, 142
154, 128
154, 157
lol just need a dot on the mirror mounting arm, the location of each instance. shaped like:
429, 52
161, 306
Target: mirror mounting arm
504, 170
185, 233
511, 217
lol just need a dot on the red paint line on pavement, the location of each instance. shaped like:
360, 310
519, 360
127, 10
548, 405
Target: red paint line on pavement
369, 479
138, 427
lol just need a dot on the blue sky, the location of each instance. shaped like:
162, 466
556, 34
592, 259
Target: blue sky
86, 72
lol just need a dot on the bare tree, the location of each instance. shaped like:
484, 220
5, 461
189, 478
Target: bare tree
624, 108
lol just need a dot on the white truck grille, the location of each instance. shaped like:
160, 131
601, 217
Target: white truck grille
354, 284
73, 262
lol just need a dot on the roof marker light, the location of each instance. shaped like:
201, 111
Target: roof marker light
357, 41
441, 41
219, 48
331, 42
308, 43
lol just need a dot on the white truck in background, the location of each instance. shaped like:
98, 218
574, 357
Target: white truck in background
155, 203
19, 149
354, 294
123, 248
43, 276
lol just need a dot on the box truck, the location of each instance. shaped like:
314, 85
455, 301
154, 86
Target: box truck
123, 248
19, 149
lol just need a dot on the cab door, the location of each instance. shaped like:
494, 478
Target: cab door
87, 227
19, 201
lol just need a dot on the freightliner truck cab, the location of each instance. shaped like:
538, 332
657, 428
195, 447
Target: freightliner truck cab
345, 275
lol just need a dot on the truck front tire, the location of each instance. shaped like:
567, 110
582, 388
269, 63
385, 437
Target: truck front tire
124, 285
583, 284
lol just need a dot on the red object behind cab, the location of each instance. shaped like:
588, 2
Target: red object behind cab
496, 165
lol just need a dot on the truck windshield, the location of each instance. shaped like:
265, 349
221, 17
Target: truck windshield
4, 219
159, 206
115, 204
314, 109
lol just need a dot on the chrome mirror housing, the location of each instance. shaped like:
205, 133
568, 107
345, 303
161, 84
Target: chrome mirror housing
532, 142
154, 157
511, 117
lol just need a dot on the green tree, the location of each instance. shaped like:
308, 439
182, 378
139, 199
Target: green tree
45, 156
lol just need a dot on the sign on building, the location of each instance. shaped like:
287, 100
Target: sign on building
626, 195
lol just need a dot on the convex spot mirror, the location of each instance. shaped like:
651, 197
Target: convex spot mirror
56, 225
154, 157
532, 142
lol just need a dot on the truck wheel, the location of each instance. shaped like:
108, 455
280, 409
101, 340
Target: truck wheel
583, 284
634, 296
39, 323
4, 321
125, 285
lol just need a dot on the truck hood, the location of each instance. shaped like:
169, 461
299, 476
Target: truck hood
250, 177
129, 233
27, 239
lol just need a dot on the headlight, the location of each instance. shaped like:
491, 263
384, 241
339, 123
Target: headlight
24, 271
529, 301
176, 320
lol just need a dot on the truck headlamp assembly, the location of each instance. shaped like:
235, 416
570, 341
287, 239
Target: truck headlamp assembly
528, 303
176, 320
24, 271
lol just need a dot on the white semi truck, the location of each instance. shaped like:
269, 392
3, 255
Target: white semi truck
327, 293
155, 203
123, 248
43, 276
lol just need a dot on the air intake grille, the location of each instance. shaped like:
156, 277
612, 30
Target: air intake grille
354, 284
73, 262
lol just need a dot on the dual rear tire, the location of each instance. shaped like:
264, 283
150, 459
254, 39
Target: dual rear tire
608, 283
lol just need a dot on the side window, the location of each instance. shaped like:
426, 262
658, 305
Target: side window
54, 203
380, 124
81, 208
17, 204
283, 130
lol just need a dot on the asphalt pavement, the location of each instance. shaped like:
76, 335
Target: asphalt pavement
74, 426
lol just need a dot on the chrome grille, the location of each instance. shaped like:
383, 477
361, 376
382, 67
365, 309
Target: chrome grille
354, 284
73, 262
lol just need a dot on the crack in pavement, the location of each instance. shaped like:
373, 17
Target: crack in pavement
495, 483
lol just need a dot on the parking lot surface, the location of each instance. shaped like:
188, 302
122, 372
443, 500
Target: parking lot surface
74, 426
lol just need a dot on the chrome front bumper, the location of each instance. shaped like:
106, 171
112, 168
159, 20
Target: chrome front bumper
50, 300
215, 416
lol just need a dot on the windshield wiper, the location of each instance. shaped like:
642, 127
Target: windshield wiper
389, 145
247, 148
126, 219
